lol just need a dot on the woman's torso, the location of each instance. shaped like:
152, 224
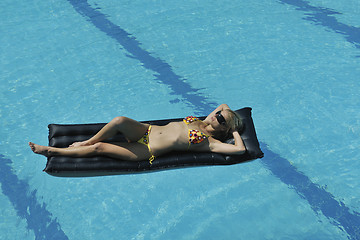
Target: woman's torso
175, 137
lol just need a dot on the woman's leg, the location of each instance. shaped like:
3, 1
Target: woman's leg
132, 130
124, 151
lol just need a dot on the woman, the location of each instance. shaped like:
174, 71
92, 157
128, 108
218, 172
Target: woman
147, 141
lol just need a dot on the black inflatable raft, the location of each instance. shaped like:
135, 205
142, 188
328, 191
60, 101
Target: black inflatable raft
61, 135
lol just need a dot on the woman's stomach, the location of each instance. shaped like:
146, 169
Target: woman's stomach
168, 138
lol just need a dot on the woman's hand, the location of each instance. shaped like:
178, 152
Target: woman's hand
235, 132
238, 140
225, 148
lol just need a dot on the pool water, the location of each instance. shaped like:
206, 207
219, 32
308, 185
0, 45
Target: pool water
295, 62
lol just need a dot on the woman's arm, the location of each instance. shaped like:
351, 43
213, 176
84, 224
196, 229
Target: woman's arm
219, 147
219, 108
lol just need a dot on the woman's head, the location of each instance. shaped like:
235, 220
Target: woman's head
226, 122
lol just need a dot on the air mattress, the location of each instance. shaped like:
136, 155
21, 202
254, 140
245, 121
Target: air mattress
61, 135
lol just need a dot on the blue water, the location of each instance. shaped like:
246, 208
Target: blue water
295, 62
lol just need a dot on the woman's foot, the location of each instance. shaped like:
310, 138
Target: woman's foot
80, 144
38, 149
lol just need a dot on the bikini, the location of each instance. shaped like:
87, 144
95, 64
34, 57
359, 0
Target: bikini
195, 136
145, 140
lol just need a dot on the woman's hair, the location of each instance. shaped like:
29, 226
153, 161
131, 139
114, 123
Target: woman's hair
233, 123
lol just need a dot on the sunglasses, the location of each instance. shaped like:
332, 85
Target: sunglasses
220, 118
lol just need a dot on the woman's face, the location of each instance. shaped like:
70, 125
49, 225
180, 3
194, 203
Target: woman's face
219, 120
